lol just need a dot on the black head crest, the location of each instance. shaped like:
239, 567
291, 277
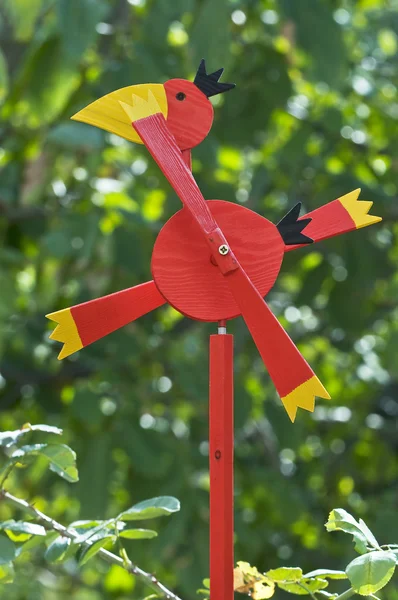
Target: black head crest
209, 84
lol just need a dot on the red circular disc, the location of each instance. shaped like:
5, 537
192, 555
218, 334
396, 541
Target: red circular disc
191, 283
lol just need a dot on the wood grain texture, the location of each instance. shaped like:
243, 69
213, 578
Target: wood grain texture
96, 318
107, 112
185, 274
187, 158
326, 221
339, 216
161, 144
288, 369
221, 462
189, 118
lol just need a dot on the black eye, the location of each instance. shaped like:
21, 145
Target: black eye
180, 96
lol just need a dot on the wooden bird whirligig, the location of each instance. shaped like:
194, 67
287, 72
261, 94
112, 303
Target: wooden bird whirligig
212, 261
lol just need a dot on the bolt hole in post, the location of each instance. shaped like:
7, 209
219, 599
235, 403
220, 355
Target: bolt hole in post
221, 435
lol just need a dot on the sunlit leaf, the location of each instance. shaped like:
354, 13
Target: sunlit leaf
88, 552
138, 534
56, 551
340, 520
62, 459
7, 573
371, 572
327, 574
150, 509
23, 527
285, 574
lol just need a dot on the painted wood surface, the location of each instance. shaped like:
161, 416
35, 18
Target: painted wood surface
294, 379
163, 148
107, 112
339, 216
221, 441
209, 83
190, 113
183, 269
83, 324
288, 369
291, 227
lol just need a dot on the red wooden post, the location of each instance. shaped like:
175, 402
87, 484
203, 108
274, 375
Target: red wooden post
221, 436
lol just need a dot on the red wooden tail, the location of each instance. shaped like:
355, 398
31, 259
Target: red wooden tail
340, 216
221, 461
86, 323
293, 378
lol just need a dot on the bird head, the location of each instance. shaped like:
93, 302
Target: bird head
184, 104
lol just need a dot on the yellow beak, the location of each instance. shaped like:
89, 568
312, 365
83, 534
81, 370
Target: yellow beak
108, 112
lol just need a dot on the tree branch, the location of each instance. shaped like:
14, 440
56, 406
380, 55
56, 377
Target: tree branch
111, 558
347, 594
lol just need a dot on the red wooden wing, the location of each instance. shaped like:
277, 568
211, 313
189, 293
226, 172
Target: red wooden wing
86, 323
293, 378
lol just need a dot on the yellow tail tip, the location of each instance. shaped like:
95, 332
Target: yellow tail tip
303, 396
358, 209
65, 332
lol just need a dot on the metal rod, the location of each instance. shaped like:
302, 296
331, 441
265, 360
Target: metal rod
222, 327
221, 435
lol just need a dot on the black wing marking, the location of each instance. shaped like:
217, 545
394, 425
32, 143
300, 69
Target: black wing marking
291, 229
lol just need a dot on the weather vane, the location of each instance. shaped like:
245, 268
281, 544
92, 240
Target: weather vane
212, 261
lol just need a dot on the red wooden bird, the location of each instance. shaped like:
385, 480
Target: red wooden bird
213, 260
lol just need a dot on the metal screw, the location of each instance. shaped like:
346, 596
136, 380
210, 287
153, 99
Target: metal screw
217, 454
223, 249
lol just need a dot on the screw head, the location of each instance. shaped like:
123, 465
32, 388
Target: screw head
223, 249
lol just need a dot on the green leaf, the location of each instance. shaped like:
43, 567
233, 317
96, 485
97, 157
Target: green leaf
369, 535
98, 532
34, 541
88, 552
23, 15
82, 526
207, 38
9, 438
150, 509
305, 586
7, 573
138, 534
23, 527
7, 550
309, 18
41, 99
327, 574
371, 572
57, 549
62, 459
340, 520
285, 574
77, 24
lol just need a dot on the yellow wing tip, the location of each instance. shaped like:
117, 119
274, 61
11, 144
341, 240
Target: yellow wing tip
65, 332
303, 396
359, 209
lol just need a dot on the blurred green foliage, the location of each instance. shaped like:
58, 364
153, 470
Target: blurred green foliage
314, 115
